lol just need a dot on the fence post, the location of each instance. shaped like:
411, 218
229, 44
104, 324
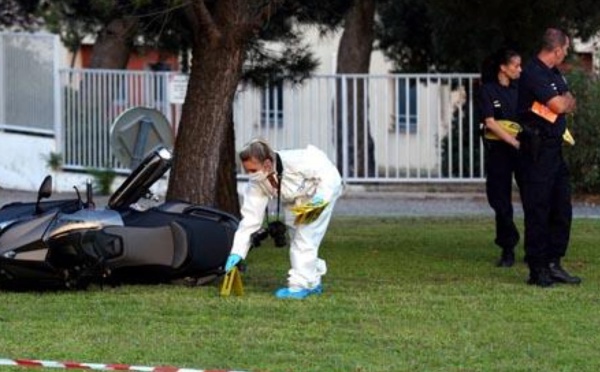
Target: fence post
344, 128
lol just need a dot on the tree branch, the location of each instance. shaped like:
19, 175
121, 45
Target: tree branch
206, 22
264, 11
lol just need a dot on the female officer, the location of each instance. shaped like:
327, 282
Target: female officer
303, 179
498, 108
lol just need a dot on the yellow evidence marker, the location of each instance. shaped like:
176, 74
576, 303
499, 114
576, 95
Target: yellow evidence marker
232, 281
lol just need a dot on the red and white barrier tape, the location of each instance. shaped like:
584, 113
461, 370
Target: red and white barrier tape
99, 366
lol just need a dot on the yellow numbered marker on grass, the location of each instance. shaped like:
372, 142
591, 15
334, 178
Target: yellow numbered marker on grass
232, 281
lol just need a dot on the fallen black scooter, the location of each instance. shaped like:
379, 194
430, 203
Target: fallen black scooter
70, 243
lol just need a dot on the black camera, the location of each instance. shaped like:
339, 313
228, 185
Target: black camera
276, 229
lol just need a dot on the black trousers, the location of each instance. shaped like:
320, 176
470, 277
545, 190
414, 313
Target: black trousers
502, 164
546, 197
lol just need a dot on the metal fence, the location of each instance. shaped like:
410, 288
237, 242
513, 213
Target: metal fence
385, 128
91, 100
388, 128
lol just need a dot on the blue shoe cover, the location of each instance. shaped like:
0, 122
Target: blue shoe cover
298, 294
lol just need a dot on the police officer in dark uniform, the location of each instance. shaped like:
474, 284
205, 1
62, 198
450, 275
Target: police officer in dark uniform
498, 111
544, 100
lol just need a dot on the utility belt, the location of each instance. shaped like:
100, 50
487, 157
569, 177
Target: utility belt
533, 140
532, 131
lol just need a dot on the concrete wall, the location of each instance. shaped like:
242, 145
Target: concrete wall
24, 165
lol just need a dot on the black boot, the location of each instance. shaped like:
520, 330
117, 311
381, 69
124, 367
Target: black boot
558, 274
540, 276
507, 258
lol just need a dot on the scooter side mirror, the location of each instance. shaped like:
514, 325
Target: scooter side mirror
44, 192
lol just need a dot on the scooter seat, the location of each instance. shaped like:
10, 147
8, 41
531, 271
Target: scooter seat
151, 246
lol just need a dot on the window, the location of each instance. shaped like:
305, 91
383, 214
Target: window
405, 110
271, 114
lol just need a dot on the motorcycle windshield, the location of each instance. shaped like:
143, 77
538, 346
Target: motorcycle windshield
138, 183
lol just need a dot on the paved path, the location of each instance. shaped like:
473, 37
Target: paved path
433, 204
380, 203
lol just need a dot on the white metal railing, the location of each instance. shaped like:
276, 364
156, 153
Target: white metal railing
421, 127
92, 100
377, 128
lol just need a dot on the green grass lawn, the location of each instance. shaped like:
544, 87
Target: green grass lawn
406, 294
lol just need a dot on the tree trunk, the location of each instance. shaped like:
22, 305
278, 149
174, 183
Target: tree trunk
204, 163
227, 195
354, 57
114, 44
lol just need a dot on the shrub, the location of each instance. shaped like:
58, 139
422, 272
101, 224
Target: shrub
54, 161
103, 179
584, 157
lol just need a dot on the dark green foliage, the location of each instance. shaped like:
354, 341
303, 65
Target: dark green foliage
584, 157
404, 34
294, 63
103, 180
321, 14
18, 14
162, 23
451, 36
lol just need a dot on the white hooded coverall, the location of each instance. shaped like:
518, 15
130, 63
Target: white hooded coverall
306, 173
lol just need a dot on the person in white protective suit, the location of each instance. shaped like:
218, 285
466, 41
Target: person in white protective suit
309, 183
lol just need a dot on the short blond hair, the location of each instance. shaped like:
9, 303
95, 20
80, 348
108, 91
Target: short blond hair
258, 149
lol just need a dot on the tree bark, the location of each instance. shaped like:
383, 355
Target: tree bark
227, 195
114, 43
354, 57
204, 161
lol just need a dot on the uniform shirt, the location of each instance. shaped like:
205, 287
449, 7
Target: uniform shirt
498, 101
540, 83
306, 172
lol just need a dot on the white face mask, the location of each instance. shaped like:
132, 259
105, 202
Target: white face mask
259, 176
261, 179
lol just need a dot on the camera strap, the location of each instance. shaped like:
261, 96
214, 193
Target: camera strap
279, 168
